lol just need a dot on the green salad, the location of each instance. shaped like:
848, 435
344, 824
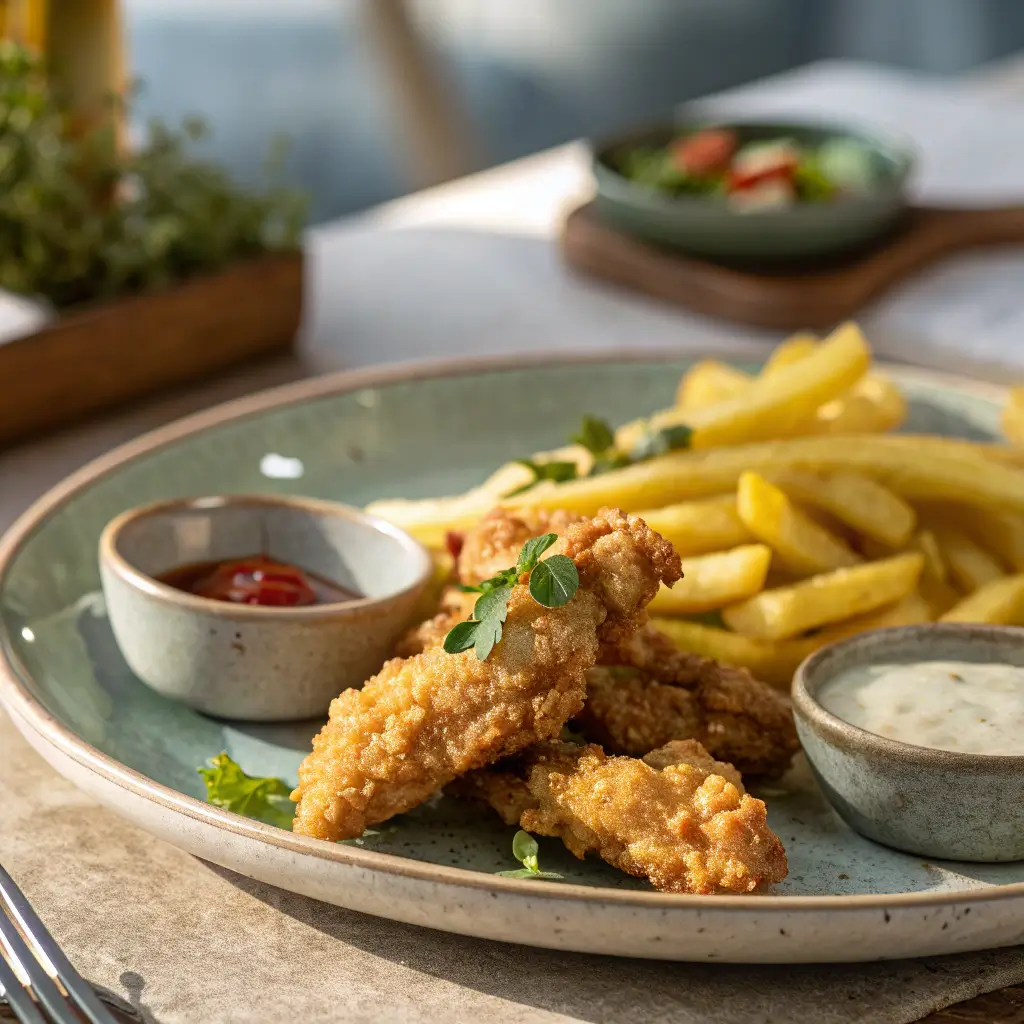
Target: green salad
755, 175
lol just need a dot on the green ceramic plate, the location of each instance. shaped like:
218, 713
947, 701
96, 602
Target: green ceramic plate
706, 226
419, 433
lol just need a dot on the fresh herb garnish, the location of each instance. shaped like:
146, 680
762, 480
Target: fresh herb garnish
525, 850
653, 443
599, 439
557, 472
265, 799
552, 583
595, 435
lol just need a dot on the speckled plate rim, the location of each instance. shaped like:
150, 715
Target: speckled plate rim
28, 713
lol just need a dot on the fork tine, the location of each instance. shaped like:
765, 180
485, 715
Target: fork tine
17, 998
80, 992
46, 991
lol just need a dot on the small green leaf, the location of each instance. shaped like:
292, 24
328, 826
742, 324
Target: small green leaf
488, 633
607, 462
524, 846
527, 873
657, 442
595, 435
525, 849
557, 471
533, 549
263, 798
492, 604
461, 637
554, 581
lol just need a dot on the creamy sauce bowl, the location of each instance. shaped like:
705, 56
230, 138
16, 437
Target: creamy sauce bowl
877, 714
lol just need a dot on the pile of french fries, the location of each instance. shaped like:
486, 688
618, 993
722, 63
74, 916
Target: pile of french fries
800, 518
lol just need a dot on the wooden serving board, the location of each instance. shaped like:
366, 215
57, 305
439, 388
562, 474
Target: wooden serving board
107, 354
814, 297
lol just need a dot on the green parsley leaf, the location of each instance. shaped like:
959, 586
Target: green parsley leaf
525, 850
528, 873
607, 462
557, 471
265, 799
532, 550
595, 435
524, 846
554, 581
490, 611
461, 637
492, 604
657, 442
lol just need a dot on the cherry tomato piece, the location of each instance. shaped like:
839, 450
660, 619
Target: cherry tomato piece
705, 152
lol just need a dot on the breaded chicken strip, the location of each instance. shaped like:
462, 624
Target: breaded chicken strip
456, 606
736, 717
678, 818
491, 546
422, 721
494, 543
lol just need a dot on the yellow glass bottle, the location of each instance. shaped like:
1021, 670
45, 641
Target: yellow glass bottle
82, 42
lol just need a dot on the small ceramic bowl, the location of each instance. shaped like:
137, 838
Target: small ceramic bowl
252, 662
933, 803
709, 227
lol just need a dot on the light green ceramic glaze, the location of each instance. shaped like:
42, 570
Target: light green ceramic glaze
414, 438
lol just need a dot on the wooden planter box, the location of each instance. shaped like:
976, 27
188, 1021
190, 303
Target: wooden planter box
100, 356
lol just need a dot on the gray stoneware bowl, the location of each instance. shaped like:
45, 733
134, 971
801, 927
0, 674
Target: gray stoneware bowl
705, 226
933, 803
251, 662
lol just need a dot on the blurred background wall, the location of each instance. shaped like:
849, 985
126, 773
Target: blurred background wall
525, 75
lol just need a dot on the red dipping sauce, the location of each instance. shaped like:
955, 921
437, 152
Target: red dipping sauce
257, 579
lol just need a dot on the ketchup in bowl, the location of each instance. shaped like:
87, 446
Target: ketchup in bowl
257, 579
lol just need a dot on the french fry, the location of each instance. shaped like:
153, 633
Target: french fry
854, 499
708, 382
700, 527
770, 406
932, 473
713, 581
872, 406
429, 520
828, 598
773, 663
999, 602
994, 529
939, 596
935, 567
970, 565
910, 611
1013, 417
790, 351
802, 545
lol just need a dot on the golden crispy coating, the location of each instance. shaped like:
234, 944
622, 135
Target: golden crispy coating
455, 607
424, 720
628, 713
736, 717
494, 543
678, 818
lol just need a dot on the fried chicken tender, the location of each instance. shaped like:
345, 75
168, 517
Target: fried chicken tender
494, 543
423, 721
678, 818
736, 717
455, 606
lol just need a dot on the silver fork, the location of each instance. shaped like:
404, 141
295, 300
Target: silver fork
36, 977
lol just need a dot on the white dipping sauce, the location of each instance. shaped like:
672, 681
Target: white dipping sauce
950, 705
